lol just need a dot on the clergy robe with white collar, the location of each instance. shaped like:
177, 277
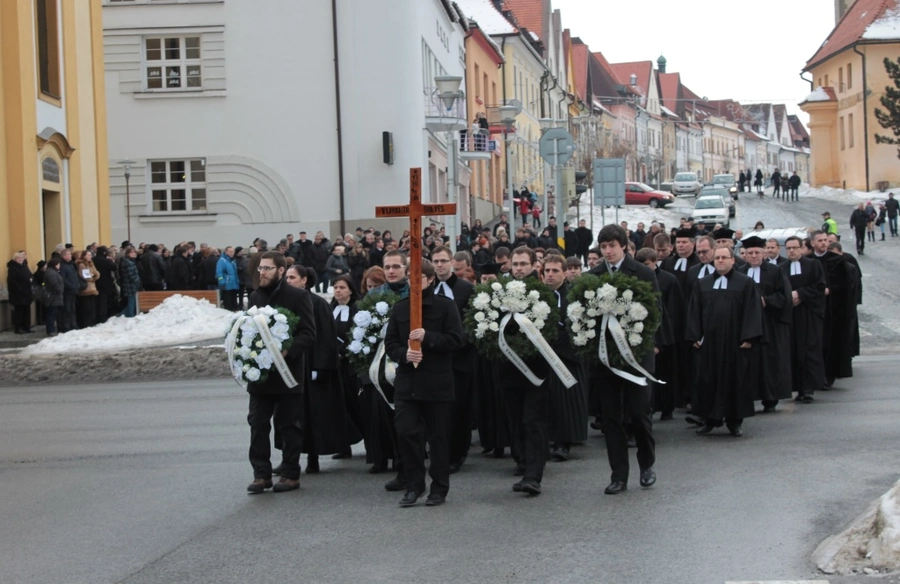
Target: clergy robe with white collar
808, 319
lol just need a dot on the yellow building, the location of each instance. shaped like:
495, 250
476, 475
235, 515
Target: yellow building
53, 157
849, 78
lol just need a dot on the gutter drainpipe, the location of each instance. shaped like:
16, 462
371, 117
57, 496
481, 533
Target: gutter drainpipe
340, 138
865, 112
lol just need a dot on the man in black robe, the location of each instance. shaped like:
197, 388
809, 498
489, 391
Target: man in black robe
807, 280
679, 265
725, 237
773, 253
621, 398
459, 291
724, 321
773, 365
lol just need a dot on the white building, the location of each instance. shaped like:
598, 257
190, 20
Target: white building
242, 124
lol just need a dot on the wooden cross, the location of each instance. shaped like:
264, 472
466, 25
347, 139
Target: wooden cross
415, 210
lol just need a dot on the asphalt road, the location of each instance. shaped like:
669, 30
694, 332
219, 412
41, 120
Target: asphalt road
141, 483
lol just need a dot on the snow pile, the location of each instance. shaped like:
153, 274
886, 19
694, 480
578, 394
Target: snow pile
870, 544
845, 196
885, 28
177, 320
818, 95
633, 214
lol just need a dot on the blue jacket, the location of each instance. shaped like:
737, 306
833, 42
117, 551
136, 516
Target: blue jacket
226, 273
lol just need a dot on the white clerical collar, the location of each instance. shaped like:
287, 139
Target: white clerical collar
558, 298
754, 273
773, 261
707, 270
444, 289
342, 312
795, 268
819, 255
681, 265
721, 283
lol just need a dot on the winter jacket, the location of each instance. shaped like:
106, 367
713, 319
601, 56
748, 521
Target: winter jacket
892, 206
129, 279
106, 282
152, 267
70, 277
19, 283
91, 288
795, 181
305, 251
53, 283
226, 273
179, 276
319, 253
337, 266
858, 219
207, 274
358, 263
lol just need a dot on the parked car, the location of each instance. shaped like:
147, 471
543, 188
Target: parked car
727, 181
711, 209
640, 194
781, 234
666, 186
686, 183
723, 192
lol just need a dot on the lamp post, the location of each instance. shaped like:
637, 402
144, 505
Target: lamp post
127, 164
448, 90
508, 115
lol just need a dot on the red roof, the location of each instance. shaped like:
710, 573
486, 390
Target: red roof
850, 28
669, 84
529, 14
580, 54
643, 70
604, 81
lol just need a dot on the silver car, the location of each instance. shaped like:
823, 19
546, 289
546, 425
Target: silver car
686, 183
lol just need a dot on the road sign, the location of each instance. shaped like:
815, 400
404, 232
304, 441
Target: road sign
557, 146
609, 181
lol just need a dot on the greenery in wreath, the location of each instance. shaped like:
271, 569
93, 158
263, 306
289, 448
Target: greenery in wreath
373, 312
633, 303
492, 301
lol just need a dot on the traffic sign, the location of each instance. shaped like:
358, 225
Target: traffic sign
557, 146
609, 181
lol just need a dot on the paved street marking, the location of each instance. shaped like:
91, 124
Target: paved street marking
777, 582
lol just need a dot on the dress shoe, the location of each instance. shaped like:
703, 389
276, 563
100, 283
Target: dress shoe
596, 425
694, 420
487, 450
616, 487
632, 443
377, 468
434, 500
499, 452
735, 430
278, 469
259, 485
648, 477
286, 484
560, 454
706, 429
807, 399
665, 416
410, 498
395, 484
530, 487
455, 467
768, 409
340, 455
312, 465
519, 471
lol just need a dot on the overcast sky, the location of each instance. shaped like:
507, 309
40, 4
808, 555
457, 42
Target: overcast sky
748, 51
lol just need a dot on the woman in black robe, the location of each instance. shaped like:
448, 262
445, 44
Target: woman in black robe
343, 309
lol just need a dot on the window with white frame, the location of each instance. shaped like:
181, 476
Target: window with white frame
178, 186
172, 63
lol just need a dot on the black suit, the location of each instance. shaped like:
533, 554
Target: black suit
620, 398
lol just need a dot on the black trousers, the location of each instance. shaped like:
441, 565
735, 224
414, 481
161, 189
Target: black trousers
860, 238
87, 311
288, 411
461, 419
620, 398
413, 420
528, 409
68, 321
229, 300
21, 316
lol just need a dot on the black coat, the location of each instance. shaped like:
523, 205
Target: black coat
571, 243
318, 254
106, 282
432, 380
70, 277
206, 275
462, 293
179, 276
585, 240
53, 282
19, 283
298, 301
152, 268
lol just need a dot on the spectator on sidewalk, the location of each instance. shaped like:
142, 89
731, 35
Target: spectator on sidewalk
20, 293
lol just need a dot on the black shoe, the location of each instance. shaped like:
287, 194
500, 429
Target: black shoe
340, 455
28, 331
807, 399
434, 500
312, 465
454, 467
735, 430
616, 487
596, 426
18, 332
378, 467
632, 443
768, 409
410, 498
519, 470
560, 454
528, 486
648, 477
665, 416
499, 452
278, 469
395, 484
694, 420
706, 429
285, 485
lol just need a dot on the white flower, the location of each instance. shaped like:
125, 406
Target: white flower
539, 323
355, 347
534, 295
634, 339
593, 312
254, 310
253, 374
496, 286
493, 315
496, 303
259, 344
382, 308
638, 327
264, 360
253, 354
246, 367
244, 352
281, 318
494, 326
628, 295
373, 339
366, 350
590, 333
638, 312
589, 294
363, 318
375, 322
280, 331
591, 323
359, 333
479, 316
482, 301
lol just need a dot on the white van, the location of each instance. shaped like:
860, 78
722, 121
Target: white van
686, 183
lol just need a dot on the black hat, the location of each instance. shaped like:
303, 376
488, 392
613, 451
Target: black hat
238, 250
302, 233
491, 268
153, 247
724, 233
125, 243
753, 241
689, 233
826, 213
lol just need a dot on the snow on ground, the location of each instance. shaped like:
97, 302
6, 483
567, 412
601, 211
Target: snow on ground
633, 214
844, 196
177, 320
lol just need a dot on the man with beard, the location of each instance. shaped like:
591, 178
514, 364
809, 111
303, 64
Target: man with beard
724, 321
274, 395
773, 363
773, 253
840, 344
807, 280
424, 387
620, 398
449, 285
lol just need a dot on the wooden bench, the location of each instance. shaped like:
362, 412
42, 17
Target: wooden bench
152, 299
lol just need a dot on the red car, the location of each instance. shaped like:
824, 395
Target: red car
640, 194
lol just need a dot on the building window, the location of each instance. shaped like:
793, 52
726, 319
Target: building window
178, 186
842, 132
840, 79
172, 63
849, 75
850, 130
47, 25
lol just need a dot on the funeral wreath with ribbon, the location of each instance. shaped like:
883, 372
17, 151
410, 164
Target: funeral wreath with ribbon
532, 306
616, 307
366, 340
255, 341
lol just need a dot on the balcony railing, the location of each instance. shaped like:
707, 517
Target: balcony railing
438, 117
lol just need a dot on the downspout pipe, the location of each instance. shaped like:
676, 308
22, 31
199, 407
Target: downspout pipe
337, 99
865, 112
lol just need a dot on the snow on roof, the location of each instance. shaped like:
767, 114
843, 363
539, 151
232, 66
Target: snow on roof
177, 320
885, 28
486, 16
534, 36
599, 106
819, 94
668, 112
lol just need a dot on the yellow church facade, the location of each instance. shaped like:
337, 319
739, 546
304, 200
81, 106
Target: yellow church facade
53, 144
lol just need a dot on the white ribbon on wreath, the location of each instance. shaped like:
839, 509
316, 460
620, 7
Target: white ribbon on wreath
262, 324
390, 369
540, 343
611, 323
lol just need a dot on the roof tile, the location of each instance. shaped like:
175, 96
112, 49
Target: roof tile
851, 28
529, 14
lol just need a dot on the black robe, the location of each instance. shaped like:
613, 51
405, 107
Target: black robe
568, 405
667, 396
724, 319
685, 369
773, 362
840, 344
669, 266
808, 318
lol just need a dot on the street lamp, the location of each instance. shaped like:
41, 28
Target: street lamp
127, 164
448, 90
508, 115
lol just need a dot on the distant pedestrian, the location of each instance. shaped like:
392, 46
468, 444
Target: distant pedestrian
759, 182
776, 183
893, 207
858, 221
882, 218
795, 186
